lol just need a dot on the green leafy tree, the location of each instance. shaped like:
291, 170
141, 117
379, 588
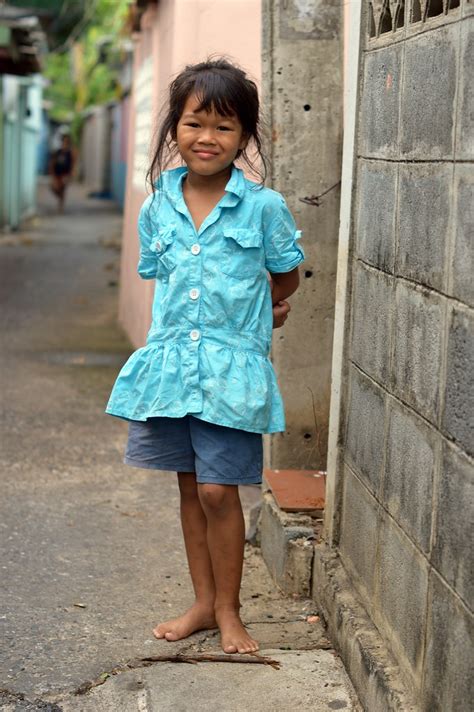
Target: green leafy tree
61, 90
83, 70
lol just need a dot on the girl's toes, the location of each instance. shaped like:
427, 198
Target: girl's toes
171, 636
230, 649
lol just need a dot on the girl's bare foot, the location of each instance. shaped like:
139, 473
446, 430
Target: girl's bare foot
196, 618
234, 637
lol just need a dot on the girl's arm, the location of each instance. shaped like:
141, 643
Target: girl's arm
284, 284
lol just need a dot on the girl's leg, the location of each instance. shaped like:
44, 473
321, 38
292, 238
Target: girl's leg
226, 540
193, 521
62, 192
54, 185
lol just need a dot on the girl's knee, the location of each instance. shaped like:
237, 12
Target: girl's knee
216, 498
187, 485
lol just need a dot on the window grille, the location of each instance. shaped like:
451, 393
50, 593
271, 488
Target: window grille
388, 16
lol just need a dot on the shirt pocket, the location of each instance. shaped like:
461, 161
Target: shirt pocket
161, 246
243, 255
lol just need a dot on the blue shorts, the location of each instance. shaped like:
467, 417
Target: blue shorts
217, 454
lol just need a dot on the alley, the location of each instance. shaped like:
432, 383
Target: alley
91, 550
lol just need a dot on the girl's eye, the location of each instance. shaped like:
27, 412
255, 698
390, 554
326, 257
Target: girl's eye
224, 128
192, 124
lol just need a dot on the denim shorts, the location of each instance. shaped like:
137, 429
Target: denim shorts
217, 454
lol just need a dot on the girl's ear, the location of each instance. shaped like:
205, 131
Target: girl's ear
243, 142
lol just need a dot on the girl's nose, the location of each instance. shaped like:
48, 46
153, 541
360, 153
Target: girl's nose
206, 136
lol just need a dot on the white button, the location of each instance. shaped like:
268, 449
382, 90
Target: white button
194, 334
196, 249
194, 293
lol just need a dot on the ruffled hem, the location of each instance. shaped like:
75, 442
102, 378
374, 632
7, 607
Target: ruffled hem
216, 421
218, 384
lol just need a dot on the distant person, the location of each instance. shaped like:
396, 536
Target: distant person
61, 166
202, 391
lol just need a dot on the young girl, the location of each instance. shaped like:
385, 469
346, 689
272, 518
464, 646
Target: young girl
202, 391
61, 166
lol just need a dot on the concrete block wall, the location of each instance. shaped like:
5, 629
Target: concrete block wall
302, 92
406, 524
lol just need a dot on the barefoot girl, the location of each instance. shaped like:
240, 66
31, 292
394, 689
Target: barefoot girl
202, 391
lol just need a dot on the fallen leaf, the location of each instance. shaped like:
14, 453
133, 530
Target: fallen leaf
312, 619
80, 605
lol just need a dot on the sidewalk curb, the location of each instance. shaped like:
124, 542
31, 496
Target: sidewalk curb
369, 664
300, 567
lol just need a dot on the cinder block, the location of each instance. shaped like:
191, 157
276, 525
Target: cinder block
417, 352
358, 532
376, 213
400, 598
424, 222
380, 103
448, 681
468, 8
465, 112
458, 419
429, 90
461, 283
411, 459
287, 547
453, 553
372, 307
365, 429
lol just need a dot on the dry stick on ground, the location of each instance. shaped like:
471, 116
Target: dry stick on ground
252, 658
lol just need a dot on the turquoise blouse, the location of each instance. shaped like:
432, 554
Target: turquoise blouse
207, 351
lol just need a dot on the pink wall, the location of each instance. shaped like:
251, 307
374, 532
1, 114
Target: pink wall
175, 33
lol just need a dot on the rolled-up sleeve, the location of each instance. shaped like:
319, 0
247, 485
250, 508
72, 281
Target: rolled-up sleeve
147, 263
282, 251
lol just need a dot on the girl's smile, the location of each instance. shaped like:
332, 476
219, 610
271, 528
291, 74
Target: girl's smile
206, 154
207, 141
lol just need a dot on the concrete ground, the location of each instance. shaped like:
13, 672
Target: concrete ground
91, 554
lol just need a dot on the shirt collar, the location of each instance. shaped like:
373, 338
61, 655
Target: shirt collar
172, 182
236, 183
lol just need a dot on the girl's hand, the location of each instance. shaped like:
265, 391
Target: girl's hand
280, 313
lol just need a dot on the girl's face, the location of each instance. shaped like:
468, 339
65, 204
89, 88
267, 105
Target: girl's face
208, 142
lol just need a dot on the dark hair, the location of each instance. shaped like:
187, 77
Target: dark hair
221, 86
